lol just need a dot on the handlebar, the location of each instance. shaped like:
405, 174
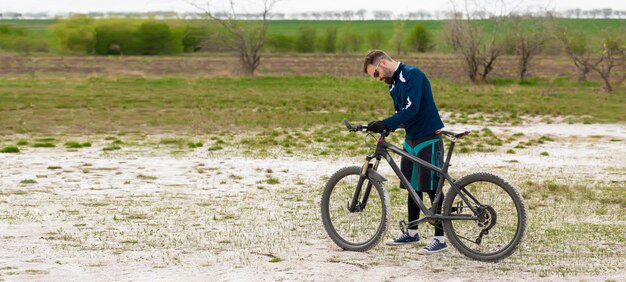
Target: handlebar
385, 133
354, 128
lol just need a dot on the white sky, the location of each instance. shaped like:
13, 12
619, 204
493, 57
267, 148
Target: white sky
285, 6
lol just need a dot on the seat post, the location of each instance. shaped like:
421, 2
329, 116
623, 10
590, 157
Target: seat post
446, 163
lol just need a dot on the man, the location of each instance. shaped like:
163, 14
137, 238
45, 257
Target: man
416, 111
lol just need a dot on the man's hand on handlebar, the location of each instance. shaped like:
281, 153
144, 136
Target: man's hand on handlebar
376, 126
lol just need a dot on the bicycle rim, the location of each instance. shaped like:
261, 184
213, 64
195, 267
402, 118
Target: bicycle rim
503, 217
357, 230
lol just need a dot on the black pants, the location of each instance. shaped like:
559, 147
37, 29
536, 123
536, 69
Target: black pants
423, 180
414, 210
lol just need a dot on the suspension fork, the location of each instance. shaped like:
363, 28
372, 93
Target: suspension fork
355, 205
369, 183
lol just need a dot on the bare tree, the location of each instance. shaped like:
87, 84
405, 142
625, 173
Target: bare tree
479, 49
528, 39
577, 12
382, 15
247, 39
347, 15
611, 55
361, 14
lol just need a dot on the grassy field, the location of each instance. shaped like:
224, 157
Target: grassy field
112, 104
595, 29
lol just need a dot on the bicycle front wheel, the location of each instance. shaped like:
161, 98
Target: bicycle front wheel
362, 228
501, 213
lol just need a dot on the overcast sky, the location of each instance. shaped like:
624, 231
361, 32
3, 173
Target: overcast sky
284, 6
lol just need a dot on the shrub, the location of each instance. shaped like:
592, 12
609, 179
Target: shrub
329, 42
420, 39
76, 33
115, 37
193, 38
156, 38
282, 43
306, 40
375, 39
350, 42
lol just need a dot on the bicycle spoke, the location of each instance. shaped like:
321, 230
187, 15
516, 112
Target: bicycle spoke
360, 226
498, 225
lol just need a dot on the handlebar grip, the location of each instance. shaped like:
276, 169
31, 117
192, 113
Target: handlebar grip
352, 127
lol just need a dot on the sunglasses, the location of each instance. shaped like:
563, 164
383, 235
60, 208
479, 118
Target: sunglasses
376, 74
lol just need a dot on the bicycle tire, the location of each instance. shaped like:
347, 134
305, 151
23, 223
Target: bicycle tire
374, 204
508, 240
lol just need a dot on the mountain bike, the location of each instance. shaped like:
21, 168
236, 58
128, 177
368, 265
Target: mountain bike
483, 216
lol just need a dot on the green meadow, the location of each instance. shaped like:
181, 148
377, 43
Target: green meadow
177, 104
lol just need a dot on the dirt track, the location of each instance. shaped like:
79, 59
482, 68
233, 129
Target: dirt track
147, 214
434, 65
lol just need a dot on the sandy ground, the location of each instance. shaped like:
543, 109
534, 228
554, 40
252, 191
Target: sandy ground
145, 214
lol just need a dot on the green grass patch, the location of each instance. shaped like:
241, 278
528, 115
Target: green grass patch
77, 145
275, 260
43, 145
10, 149
111, 148
215, 148
146, 177
193, 145
28, 181
173, 141
137, 216
272, 180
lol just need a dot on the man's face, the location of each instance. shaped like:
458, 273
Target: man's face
379, 72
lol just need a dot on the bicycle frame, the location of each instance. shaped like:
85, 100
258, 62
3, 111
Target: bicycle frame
382, 151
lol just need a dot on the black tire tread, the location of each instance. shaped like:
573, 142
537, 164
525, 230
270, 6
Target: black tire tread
332, 181
517, 199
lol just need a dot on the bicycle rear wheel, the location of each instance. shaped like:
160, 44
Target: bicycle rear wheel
502, 217
361, 229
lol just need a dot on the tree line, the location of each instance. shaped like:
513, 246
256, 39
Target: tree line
82, 34
331, 40
347, 15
